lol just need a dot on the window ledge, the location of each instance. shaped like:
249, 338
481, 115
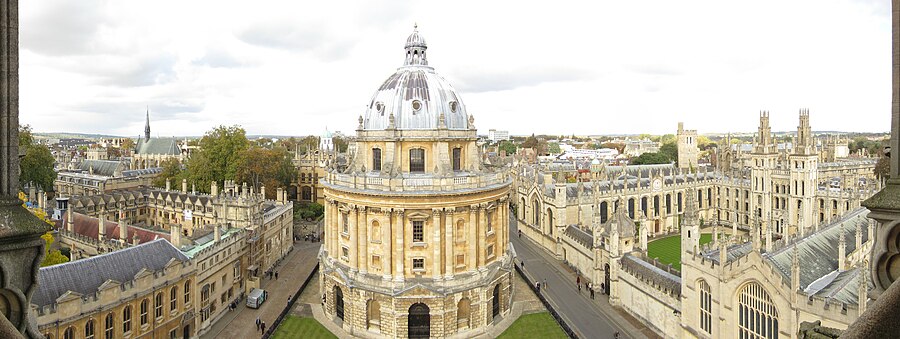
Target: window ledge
375, 241
419, 244
418, 270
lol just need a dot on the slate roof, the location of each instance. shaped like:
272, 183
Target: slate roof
624, 225
819, 251
164, 146
106, 168
579, 235
85, 276
734, 251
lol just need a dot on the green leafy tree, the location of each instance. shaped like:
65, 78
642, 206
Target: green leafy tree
651, 159
171, 169
340, 144
218, 157
37, 165
508, 146
670, 150
882, 167
554, 148
530, 142
270, 167
666, 138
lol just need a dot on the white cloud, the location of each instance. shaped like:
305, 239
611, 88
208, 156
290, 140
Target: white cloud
294, 68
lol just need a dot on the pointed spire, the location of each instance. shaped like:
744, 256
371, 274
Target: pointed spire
147, 126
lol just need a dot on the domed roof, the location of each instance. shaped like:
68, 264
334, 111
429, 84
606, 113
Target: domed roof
416, 96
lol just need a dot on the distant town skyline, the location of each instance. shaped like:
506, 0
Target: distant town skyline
586, 69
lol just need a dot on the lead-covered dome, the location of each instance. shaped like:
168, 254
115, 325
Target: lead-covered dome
415, 95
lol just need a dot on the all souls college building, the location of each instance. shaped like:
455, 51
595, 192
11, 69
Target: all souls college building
792, 245
416, 237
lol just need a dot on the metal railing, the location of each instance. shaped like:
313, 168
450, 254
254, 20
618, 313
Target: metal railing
559, 320
287, 310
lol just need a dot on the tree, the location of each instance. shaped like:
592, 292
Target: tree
171, 169
666, 138
651, 159
37, 164
52, 256
704, 143
507, 146
308, 143
340, 144
670, 150
218, 156
882, 167
530, 142
270, 167
554, 148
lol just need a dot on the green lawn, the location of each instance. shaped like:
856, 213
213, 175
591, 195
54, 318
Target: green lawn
535, 325
297, 327
668, 249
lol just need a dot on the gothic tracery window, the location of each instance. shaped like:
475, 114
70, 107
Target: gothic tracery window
705, 307
757, 316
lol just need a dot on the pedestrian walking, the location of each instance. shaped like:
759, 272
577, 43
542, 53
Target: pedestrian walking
257, 323
537, 285
603, 288
264, 327
520, 234
276, 275
592, 290
578, 283
545, 284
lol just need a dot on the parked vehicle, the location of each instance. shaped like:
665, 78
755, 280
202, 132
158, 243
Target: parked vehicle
257, 298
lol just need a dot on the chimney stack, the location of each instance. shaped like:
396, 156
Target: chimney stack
123, 228
279, 195
214, 188
168, 184
262, 191
175, 235
217, 232
70, 222
184, 185
101, 226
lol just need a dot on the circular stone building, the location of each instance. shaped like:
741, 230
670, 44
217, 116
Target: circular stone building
416, 227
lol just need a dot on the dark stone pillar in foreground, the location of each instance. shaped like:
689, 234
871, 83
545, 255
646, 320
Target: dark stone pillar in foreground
21, 247
882, 318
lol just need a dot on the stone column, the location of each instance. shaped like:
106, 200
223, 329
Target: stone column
386, 250
363, 240
335, 232
327, 227
482, 233
471, 230
354, 238
449, 260
436, 258
398, 226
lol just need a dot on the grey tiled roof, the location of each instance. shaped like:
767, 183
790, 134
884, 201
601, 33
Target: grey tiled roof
86, 275
165, 146
656, 275
106, 168
579, 235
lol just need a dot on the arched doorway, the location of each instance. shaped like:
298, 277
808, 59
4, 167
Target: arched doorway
339, 302
419, 321
462, 314
496, 302
307, 193
606, 279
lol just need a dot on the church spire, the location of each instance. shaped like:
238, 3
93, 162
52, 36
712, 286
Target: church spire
147, 126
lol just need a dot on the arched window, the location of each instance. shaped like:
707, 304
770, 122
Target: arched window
668, 204
462, 313
145, 305
89, 329
69, 333
158, 305
373, 316
656, 205
108, 328
376, 230
417, 160
679, 202
536, 207
126, 319
604, 211
173, 299
376, 159
631, 208
550, 220
187, 292
705, 307
757, 316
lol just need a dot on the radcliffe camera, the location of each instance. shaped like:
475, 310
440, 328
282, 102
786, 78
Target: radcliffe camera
465, 169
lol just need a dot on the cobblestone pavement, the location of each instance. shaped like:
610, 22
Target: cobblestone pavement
588, 318
292, 272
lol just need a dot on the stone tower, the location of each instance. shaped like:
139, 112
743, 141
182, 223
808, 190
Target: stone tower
764, 159
687, 148
690, 224
802, 162
416, 227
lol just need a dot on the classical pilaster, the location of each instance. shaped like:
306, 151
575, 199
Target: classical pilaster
354, 238
436, 258
482, 234
363, 227
386, 248
471, 231
398, 230
327, 226
449, 260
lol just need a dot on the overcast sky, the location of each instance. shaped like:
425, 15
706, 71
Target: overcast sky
293, 68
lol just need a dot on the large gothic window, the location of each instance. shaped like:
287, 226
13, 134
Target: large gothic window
705, 307
417, 160
757, 316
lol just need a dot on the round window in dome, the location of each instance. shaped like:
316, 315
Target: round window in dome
453, 106
379, 107
416, 105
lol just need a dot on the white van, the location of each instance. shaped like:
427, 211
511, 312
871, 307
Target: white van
257, 298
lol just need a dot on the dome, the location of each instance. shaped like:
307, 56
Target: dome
416, 96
